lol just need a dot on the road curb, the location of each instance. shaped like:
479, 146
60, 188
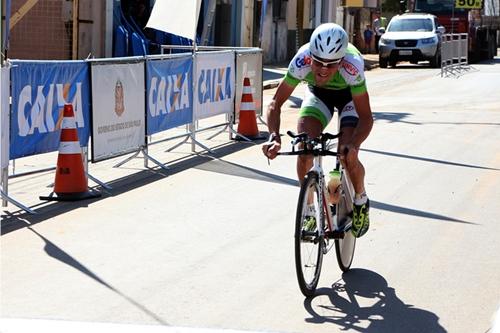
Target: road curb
270, 84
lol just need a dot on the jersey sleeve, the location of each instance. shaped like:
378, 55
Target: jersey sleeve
291, 80
299, 67
354, 74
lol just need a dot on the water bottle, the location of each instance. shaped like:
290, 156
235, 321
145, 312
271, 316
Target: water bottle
334, 187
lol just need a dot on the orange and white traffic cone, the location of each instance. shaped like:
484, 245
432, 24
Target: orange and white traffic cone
247, 125
71, 180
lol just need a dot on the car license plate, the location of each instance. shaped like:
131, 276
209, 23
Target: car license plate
405, 52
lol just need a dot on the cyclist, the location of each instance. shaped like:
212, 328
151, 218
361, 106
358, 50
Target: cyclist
334, 72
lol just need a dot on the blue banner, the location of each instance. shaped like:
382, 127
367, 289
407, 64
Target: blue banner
39, 92
169, 93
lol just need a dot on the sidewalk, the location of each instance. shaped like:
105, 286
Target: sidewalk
272, 74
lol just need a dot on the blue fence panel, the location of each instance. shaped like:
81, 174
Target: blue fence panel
138, 45
39, 91
169, 84
120, 42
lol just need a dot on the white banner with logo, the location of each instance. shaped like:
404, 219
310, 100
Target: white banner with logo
4, 117
214, 85
249, 64
118, 112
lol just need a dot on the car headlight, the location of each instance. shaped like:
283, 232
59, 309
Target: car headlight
386, 41
430, 40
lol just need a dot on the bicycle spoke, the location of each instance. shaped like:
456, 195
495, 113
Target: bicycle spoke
308, 242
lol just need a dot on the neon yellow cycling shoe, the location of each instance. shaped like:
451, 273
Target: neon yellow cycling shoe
309, 223
360, 219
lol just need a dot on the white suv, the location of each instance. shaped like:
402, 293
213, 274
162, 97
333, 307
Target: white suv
411, 37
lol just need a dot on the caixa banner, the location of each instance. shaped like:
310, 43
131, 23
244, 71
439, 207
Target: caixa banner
169, 91
214, 87
39, 91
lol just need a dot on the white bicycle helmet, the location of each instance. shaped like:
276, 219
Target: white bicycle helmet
328, 41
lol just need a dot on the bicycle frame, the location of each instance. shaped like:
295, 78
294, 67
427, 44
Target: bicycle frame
347, 194
332, 224
326, 213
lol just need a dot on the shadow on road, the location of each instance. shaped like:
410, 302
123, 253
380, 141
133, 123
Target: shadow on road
341, 307
45, 211
415, 212
233, 169
400, 117
426, 159
297, 102
60, 255
394, 117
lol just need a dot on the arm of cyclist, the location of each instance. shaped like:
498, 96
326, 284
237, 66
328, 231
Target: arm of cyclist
363, 129
273, 146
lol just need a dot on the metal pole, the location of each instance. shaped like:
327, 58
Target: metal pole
453, 17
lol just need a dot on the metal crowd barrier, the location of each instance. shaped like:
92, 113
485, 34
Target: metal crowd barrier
155, 87
454, 54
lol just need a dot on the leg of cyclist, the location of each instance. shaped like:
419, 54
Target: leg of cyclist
352, 164
356, 171
314, 116
313, 128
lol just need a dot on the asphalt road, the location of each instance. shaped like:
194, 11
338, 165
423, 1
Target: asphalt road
209, 243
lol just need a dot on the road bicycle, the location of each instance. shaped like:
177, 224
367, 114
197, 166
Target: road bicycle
331, 223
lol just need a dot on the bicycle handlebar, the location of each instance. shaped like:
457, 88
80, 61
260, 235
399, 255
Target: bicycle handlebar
322, 150
303, 137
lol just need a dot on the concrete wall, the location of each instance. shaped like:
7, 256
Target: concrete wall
247, 23
91, 29
329, 11
274, 38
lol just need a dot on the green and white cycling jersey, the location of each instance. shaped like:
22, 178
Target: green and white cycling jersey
350, 74
320, 102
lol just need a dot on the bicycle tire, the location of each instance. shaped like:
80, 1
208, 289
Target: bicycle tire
344, 247
308, 243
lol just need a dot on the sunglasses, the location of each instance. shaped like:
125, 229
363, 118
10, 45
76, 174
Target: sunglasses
327, 64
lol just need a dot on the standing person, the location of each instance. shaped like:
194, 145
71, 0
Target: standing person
334, 72
379, 22
368, 34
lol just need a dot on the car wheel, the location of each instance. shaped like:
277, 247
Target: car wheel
393, 63
382, 62
435, 62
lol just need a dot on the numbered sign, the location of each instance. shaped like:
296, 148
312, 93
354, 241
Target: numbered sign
468, 4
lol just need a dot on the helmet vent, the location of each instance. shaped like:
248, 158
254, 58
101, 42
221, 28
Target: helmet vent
328, 41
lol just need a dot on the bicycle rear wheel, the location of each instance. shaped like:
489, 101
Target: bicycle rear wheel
344, 247
308, 243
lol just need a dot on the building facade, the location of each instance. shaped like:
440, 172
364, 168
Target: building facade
78, 29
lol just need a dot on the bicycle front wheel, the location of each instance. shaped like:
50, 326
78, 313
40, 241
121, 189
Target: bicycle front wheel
344, 247
308, 241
